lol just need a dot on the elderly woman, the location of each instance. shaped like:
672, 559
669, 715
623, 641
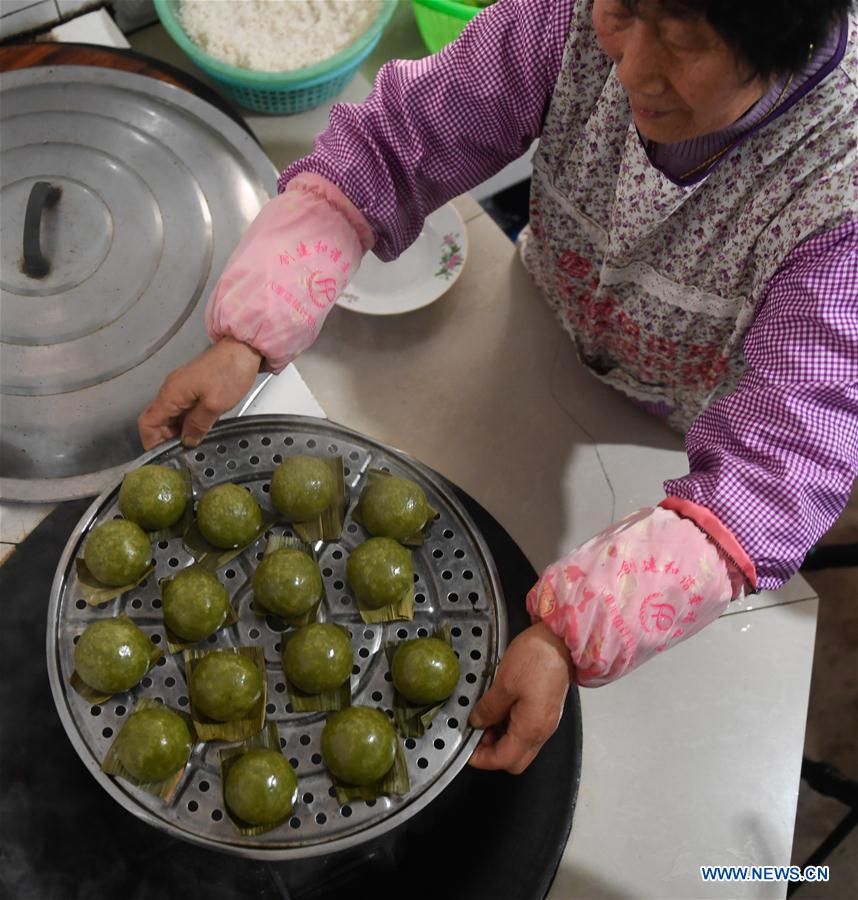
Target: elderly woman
693, 225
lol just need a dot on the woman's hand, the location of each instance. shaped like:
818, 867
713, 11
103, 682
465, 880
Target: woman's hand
193, 396
522, 708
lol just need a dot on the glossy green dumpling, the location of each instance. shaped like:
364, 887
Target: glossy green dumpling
153, 496
358, 745
117, 552
261, 787
229, 516
153, 743
287, 582
318, 658
393, 507
195, 603
425, 670
112, 655
224, 685
302, 487
379, 571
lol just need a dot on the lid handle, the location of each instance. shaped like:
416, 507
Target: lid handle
42, 196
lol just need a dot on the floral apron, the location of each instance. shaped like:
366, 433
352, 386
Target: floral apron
657, 282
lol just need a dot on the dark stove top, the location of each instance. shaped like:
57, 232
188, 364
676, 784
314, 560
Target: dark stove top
488, 835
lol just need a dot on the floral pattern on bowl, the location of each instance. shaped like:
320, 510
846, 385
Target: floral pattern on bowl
451, 256
422, 274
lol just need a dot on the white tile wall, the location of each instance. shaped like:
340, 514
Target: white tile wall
7, 7
17, 16
73, 7
92, 28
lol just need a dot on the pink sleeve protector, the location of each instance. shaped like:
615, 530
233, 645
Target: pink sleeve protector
633, 591
290, 266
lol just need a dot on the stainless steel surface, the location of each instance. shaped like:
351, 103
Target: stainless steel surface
157, 188
456, 582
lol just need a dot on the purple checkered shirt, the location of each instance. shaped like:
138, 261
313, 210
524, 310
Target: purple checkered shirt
775, 459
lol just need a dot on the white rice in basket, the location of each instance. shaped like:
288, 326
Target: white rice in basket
276, 35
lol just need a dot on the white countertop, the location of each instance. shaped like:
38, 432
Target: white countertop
695, 758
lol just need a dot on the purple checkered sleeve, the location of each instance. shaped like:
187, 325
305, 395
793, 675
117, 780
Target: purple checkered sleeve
775, 459
434, 128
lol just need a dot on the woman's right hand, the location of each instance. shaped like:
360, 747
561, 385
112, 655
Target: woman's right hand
192, 397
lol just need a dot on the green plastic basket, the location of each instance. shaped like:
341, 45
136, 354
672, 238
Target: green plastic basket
440, 22
279, 93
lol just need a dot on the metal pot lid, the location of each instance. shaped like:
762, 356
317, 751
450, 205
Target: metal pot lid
121, 198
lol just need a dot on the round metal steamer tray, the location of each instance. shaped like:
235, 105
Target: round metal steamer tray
155, 187
455, 581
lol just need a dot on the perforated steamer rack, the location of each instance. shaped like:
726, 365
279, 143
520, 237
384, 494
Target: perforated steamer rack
455, 581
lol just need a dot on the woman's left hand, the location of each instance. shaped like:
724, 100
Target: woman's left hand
522, 708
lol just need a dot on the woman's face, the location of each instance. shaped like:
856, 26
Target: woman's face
681, 78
